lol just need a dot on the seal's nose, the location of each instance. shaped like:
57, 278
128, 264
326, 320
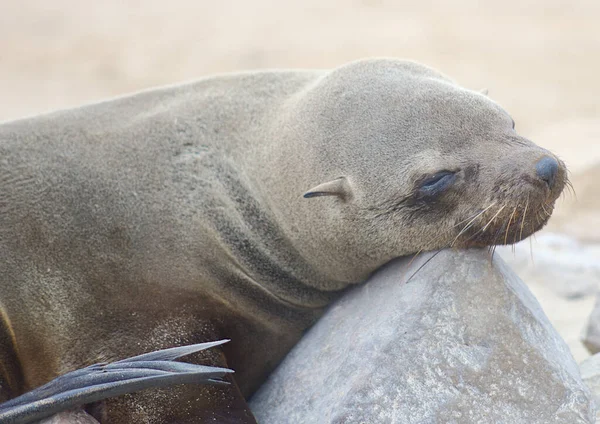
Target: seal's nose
546, 169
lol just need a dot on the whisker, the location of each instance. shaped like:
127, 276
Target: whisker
539, 217
411, 261
523, 221
494, 245
508, 226
414, 257
515, 236
571, 189
475, 215
493, 218
531, 250
421, 267
483, 229
470, 224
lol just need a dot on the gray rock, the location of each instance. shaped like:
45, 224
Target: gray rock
591, 333
590, 374
464, 341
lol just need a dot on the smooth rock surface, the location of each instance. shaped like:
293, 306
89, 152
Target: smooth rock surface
463, 342
564, 274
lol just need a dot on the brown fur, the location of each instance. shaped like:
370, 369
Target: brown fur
177, 216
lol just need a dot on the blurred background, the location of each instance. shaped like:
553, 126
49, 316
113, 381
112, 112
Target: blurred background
540, 59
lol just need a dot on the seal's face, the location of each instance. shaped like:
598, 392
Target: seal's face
474, 181
424, 164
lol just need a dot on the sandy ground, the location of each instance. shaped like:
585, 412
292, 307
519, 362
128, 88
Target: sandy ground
538, 58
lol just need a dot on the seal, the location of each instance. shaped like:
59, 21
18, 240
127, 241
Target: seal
238, 207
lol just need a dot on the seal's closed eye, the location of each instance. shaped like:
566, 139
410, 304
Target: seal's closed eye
435, 184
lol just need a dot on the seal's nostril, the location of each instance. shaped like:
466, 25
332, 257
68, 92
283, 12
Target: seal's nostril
546, 169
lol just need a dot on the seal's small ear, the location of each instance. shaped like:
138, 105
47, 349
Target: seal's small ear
484, 91
338, 187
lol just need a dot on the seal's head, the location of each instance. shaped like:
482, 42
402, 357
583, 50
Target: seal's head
404, 160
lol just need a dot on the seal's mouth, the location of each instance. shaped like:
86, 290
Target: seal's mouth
508, 219
503, 224
502, 229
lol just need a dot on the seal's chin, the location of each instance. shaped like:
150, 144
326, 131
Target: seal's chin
500, 235
504, 225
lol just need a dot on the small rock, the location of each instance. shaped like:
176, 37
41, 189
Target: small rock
570, 268
463, 342
591, 334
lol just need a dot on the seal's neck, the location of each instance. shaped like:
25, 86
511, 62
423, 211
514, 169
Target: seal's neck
259, 249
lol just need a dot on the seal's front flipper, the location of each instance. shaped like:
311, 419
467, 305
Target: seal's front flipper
183, 403
100, 381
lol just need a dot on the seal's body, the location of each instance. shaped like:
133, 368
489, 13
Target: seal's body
238, 207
